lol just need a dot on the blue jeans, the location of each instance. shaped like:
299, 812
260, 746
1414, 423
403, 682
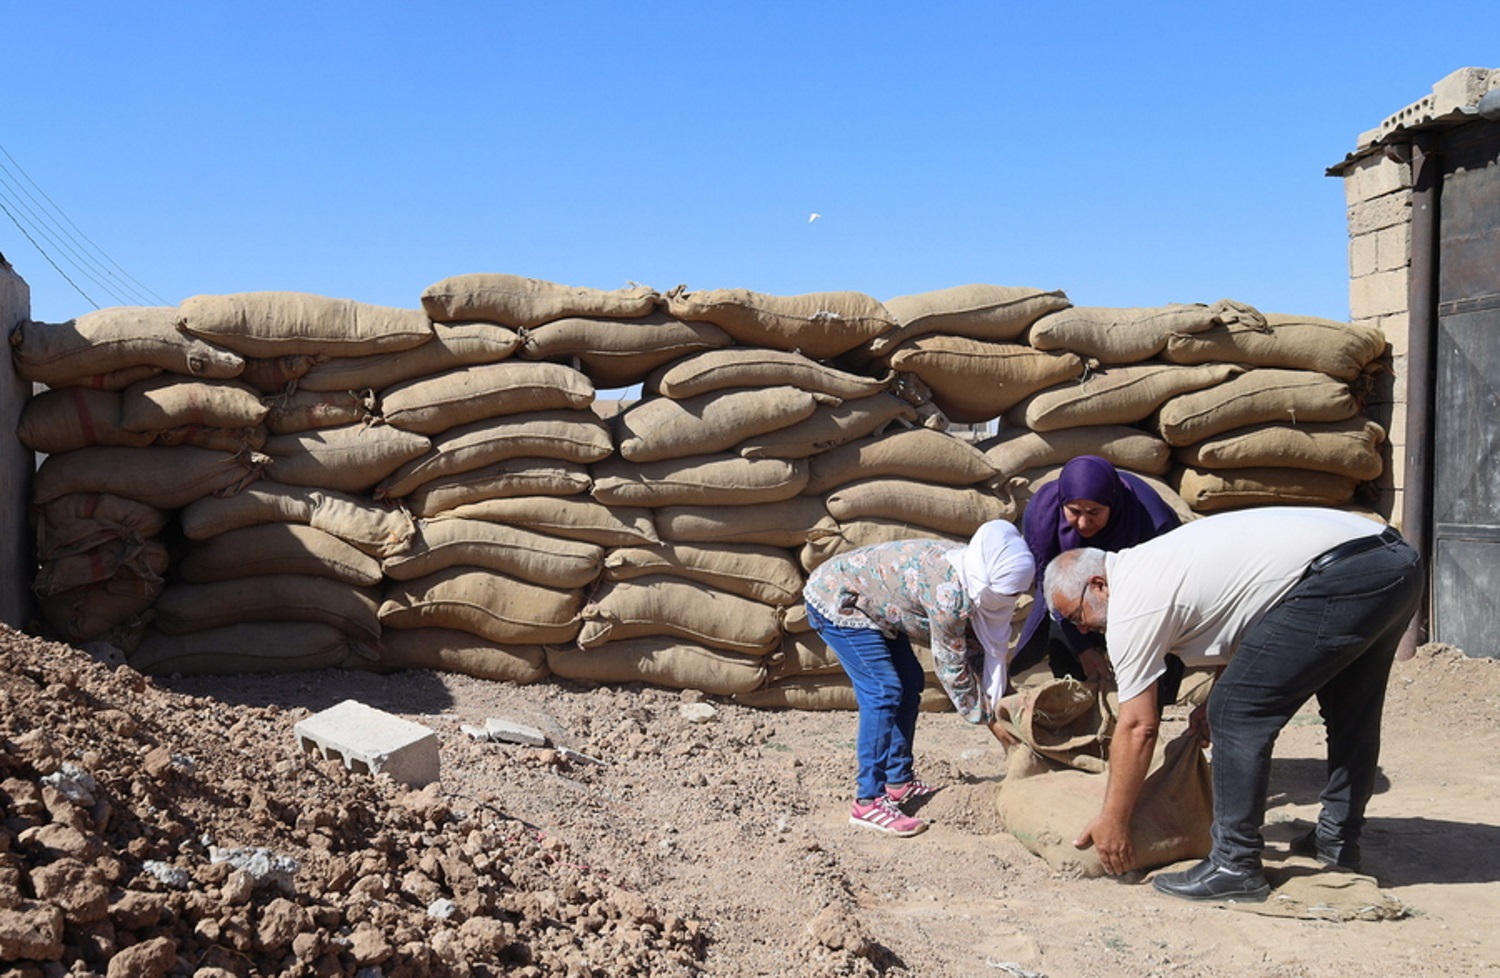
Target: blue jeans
1333, 636
887, 681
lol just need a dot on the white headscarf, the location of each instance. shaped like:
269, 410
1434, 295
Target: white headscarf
995, 568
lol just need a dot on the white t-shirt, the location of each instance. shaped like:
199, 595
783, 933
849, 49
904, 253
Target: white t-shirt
1197, 590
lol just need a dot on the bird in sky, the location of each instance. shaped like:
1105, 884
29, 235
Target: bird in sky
813, 217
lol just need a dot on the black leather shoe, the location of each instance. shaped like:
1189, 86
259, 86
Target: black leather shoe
1207, 881
1344, 854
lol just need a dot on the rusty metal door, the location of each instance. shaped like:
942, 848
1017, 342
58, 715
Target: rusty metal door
1466, 423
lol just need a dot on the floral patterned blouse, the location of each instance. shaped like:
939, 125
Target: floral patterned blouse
907, 586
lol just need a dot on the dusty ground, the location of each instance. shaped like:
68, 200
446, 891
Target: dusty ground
714, 847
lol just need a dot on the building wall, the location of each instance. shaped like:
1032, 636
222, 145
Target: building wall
17, 566
1377, 192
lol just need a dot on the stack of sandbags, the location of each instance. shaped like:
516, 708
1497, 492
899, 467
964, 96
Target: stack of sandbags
717, 451
138, 419
442, 487
1288, 430
1253, 409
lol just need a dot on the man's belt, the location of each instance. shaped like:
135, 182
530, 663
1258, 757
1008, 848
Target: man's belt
1356, 546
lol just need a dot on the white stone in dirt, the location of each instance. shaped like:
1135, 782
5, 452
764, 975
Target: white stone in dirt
511, 732
698, 712
373, 741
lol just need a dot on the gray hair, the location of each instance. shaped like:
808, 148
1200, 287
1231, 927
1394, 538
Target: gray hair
1069, 572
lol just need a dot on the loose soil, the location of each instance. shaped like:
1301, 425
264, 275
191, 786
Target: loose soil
175, 826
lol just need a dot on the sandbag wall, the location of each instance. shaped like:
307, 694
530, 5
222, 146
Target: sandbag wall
276, 481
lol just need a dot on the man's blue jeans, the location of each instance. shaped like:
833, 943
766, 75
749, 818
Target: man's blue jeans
887, 681
1335, 636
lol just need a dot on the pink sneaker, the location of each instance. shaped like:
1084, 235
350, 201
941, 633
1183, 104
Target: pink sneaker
900, 794
882, 816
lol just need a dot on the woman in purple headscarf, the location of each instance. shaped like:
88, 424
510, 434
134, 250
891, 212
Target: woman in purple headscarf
1093, 504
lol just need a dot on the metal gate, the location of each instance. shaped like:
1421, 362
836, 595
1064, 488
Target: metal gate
1466, 420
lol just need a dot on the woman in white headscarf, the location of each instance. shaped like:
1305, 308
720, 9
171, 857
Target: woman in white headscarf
868, 604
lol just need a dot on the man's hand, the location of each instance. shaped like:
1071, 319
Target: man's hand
1198, 724
1111, 839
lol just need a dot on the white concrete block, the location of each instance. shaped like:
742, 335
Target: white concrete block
372, 741
510, 732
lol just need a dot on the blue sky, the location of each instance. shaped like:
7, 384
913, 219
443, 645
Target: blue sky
1130, 154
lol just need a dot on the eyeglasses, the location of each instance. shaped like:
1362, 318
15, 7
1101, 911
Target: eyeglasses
1076, 619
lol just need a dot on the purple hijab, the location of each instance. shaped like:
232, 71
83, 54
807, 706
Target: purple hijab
1136, 514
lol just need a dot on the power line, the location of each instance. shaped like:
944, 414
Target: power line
68, 247
46, 256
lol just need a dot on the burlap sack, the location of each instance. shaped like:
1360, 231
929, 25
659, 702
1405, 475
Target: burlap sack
277, 548
910, 453
348, 458
1132, 335
518, 552
835, 537
500, 480
830, 426
702, 480
232, 441
1259, 396
803, 654
292, 411
81, 614
275, 324
1119, 395
1210, 492
278, 375
493, 606
67, 418
661, 428
1064, 721
574, 517
660, 661
659, 604
981, 312
784, 524
124, 341
976, 380
450, 650
1045, 805
515, 301
742, 366
821, 325
576, 436
142, 558
351, 609
169, 401
794, 620
1338, 349
167, 478
377, 530
79, 522
1015, 450
251, 647
434, 404
829, 691
949, 509
452, 345
1346, 448
760, 573
621, 352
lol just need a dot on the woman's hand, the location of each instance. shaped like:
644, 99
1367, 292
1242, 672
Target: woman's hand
1003, 733
1095, 664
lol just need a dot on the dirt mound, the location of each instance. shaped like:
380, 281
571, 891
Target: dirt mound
152, 833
